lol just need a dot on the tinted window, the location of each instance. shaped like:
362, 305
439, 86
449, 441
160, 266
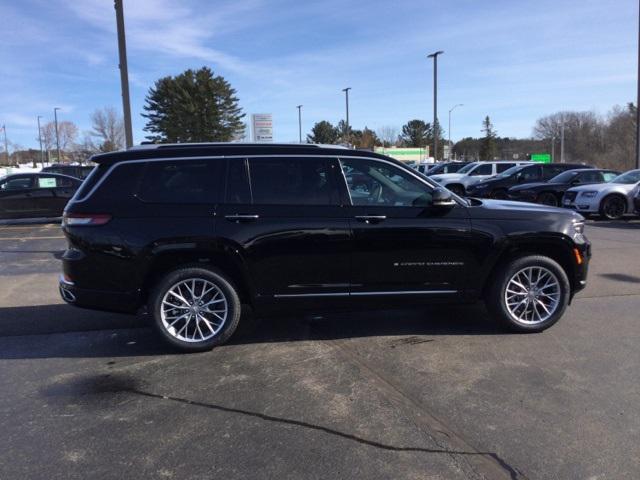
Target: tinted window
17, 183
180, 181
550, 171
590, 177
501, 167
453, 167
378, 183
238, 190
483, 169
529, 174
290, 181
564, 177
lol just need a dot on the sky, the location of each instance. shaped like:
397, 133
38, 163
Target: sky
514, 60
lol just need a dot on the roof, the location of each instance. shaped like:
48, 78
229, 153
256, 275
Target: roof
225, 149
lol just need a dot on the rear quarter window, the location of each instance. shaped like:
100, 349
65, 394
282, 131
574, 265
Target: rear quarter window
180, 181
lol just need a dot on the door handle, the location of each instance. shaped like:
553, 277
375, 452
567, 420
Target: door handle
242, 218
371, 218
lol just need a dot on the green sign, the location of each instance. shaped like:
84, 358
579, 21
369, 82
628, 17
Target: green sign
541, 157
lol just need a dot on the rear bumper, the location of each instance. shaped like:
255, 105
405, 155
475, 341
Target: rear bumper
98, 299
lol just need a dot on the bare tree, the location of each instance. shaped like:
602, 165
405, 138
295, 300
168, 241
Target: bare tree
108, 127
48, 135
68, 132
388, 135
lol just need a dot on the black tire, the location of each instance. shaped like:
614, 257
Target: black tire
496, 295
457, 189
225, 288
613, 207
548, 198
499, 194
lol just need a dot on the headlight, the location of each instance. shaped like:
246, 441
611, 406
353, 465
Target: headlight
578, 232
578, 227
589, 194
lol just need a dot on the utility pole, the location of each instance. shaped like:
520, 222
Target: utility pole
40, 139
124, 74
346, 129
638, 99
562, 140
449, 131
299, 107
435, 102
553, 149
55, 117
6, 144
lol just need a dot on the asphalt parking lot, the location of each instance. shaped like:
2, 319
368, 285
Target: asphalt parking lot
438, 393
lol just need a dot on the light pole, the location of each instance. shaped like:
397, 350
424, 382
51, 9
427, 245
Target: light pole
124, 74
40, 139
346, 130
562, 140
55, 117
299, 107
6, 144
451, 110
434, 55
638, 99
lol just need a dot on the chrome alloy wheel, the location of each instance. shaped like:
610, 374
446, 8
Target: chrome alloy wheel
194, 310
532, 295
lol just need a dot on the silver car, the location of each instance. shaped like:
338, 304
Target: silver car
473, 173
611, 200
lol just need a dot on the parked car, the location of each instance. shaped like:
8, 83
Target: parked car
423, 168
636, 201
192, 232
77, 171
498, 186
551, 192
471, 174
446, 167
611, 200
35, 195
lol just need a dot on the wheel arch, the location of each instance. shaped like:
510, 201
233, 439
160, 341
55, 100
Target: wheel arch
557, 248
225, 260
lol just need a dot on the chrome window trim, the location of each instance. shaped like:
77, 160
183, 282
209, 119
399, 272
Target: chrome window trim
362, 294
424, 180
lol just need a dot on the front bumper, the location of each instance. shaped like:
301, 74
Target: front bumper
585, 205
636, 205
582, 269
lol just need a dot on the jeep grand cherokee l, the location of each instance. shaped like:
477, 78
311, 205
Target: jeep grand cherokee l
194, 231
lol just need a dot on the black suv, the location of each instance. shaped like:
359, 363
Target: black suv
498, 186
193, 231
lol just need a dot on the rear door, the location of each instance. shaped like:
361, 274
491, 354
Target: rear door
283, 216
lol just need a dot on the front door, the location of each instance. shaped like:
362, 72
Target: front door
284, 219
402, 244
16, 197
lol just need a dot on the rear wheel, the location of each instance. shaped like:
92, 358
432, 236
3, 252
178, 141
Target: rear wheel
195, 308
547, 198
613, 207
529, 294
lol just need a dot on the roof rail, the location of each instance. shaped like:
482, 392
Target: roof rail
155, 146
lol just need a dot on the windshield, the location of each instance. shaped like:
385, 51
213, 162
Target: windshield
627, 178
564, 177
468, 168
510, 171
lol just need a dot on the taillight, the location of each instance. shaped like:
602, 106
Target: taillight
85, 219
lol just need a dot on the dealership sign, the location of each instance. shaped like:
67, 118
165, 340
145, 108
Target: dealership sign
262, 127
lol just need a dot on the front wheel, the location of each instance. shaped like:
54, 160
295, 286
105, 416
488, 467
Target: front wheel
195, 308
529, 294
613, 207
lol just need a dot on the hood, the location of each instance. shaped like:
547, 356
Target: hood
599, 187
532, 185
447, 176
508, 210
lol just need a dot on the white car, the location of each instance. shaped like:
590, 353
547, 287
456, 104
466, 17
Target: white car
471, 174
611, 200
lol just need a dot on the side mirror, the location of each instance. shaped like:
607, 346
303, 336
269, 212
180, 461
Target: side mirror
442, 198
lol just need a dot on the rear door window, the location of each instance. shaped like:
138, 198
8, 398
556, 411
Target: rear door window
501, 167
17, 183
180, 181
291, 181
590, 177
483, 169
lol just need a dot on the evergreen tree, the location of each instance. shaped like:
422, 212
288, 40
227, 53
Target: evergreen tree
416, 133
324, 132
488, 147
195, 106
